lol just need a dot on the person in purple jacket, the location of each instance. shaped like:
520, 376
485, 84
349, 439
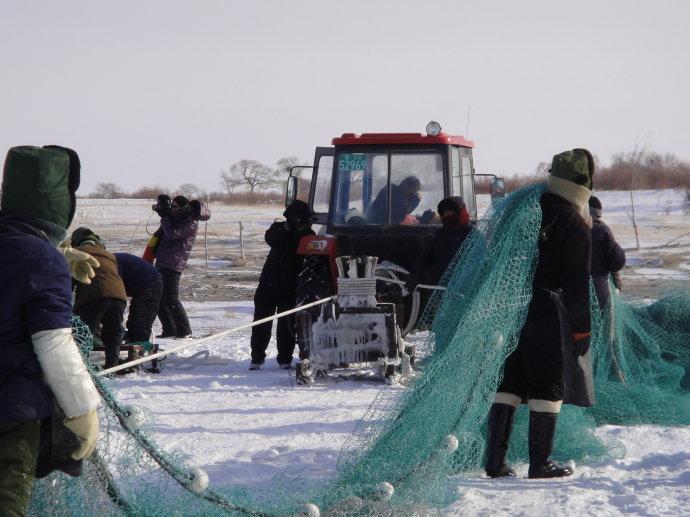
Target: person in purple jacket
608, 258
144, 287
177, 233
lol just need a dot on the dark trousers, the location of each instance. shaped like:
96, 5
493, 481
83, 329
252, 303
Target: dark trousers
535, 368
143, 309
108, 312
268, 301
19, 442
171, 312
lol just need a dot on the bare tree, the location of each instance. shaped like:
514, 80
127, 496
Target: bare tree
255, 175
635, 158
284, 165
542, 169
189, 190
229, 181
108, 191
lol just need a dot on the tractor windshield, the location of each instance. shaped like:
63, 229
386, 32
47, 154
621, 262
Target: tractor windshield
365, 196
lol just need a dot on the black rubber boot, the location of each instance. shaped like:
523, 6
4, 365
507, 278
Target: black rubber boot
542, 429
499, 427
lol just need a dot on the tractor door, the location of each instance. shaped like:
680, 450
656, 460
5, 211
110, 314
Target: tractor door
462, 178
320, 192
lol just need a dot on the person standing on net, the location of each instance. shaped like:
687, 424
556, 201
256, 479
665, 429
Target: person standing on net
175, 239
44, 383
277, 284
547, 368
608, 258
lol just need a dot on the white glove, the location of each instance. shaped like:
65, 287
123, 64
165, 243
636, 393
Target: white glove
86, 429
80, 264
64, 371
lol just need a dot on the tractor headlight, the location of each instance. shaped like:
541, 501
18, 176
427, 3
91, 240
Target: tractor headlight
433, 128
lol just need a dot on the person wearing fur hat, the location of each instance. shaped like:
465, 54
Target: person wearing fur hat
277, 284
608, 258
45, 383
103, 300
551, 364
447, 241
174, 241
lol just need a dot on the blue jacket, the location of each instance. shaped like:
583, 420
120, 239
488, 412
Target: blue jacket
136, 273
36, 296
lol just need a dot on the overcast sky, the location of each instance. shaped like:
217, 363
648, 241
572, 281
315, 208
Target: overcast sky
168, 92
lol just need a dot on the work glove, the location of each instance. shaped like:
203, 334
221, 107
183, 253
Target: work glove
581, 341
86, 429
81, 265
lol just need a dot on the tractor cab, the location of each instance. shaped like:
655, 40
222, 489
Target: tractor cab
375, 196
377, 193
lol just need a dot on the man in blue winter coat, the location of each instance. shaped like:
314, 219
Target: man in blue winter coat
144, 286
41, 368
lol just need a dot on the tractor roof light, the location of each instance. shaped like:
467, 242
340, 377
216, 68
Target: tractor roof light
433, 128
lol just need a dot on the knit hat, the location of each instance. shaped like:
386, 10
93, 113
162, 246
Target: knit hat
453, 203
456, 204
40, 183
299, 212
576, 166
180, 201
595, 207
83, 234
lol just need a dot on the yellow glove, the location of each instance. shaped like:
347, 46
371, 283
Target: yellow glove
86, 429
81, 264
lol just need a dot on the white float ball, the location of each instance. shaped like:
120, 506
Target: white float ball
199, 481
134, 417
384, 491
310, 510
450, 443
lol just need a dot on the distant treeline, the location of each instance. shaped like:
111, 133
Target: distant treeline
647, 171
652, 171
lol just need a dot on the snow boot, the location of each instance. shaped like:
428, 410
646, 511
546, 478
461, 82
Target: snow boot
499, 427
256, 366
542, 429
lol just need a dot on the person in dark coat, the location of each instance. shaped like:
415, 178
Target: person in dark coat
176, 235
102, 301
446, 243
144, 286
44, 383
608, 258
404, 199
277, 284
560, 299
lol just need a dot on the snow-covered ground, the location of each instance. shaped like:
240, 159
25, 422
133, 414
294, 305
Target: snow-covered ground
246, 427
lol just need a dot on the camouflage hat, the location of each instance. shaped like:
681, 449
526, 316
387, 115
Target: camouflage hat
576, 166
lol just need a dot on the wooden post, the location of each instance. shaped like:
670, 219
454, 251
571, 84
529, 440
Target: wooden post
244, 260
206, 242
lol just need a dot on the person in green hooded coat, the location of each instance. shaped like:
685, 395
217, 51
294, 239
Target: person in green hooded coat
43, 377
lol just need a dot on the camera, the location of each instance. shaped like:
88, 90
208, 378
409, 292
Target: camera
163, 206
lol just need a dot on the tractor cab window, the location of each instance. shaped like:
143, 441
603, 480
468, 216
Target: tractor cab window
359, 177
416, 188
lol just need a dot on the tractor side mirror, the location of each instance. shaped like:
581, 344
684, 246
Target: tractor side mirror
497, 188
291, 190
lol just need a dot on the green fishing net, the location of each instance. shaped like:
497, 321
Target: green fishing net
410, 451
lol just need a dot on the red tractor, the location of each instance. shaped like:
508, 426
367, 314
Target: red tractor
375, 195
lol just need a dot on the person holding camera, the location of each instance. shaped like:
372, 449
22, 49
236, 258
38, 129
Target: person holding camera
174, 241
277, 284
